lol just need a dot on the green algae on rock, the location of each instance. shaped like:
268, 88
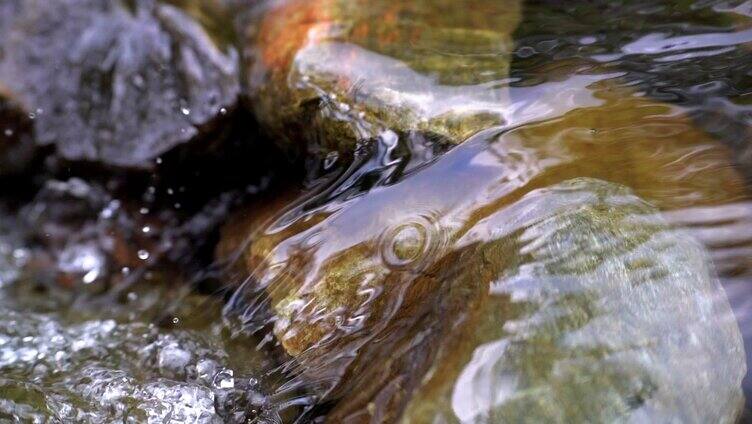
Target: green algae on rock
615, 134
331, 73
603, 313
117, 83
386, 275
403, 273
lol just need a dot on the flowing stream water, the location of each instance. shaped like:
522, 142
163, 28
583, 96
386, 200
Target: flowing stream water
655, 97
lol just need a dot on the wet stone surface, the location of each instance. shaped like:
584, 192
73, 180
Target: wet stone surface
368, 266
330, 74
117, 83
350, 283
576, 325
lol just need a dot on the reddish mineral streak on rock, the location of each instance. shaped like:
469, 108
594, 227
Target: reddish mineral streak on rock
330, 74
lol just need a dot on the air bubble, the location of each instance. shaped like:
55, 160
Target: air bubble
20, 254
588, 40
143, 255
138, 81
410, 244
109, 211
525, 52
91, 276
330, 160
224, 380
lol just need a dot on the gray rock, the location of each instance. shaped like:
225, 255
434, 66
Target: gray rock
113, 82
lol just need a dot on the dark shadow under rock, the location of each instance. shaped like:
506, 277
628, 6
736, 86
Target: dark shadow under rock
16, 145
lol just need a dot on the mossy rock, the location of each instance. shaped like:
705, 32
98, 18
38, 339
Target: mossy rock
384, 299
329, 74
348, 283
576, 302
603, 314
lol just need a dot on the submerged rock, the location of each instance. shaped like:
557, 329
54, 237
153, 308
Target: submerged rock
575, 303
600, 313
117, 83
609, 132
328, 74
396, 264
405, 275
330, 77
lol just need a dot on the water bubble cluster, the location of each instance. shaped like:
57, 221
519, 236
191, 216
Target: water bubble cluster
102, 370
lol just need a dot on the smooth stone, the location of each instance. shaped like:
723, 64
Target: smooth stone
111, 82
